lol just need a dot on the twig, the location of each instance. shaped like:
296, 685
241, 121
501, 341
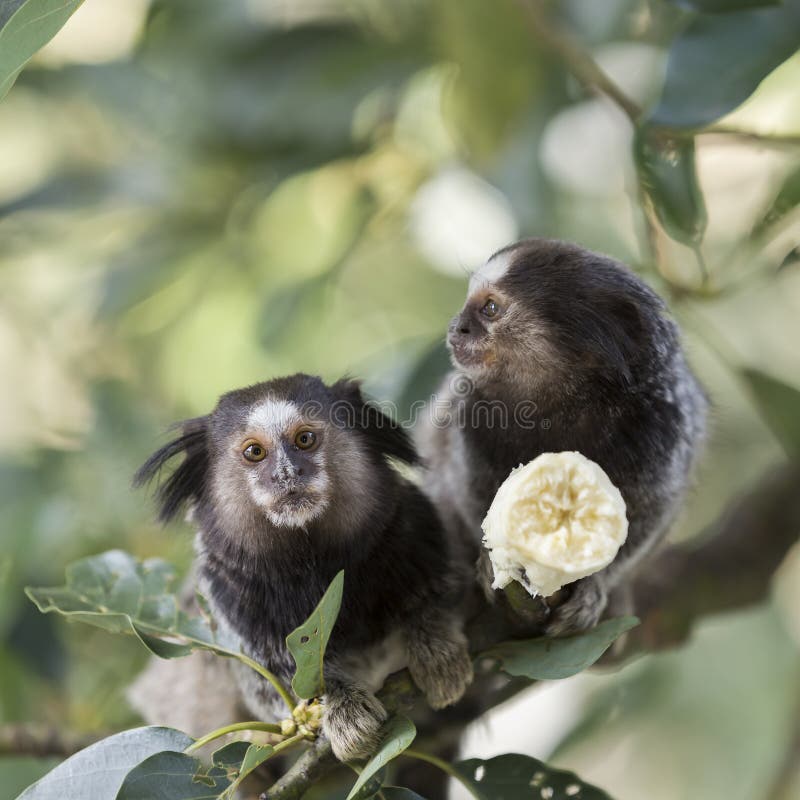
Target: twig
286, 696
586, 70
314, 764
575, 58
29, 739
729, 566
732, 134
267, 727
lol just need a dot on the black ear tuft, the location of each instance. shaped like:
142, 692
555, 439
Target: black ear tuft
613, 333
189, 478
382, 432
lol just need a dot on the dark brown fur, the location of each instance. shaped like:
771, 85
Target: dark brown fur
263, 578
587, 351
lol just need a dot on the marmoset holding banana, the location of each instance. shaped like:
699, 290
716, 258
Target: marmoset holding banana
288, 482
558, 348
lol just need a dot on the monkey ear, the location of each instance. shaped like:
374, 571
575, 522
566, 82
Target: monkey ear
383, 433
189, 479
618, 330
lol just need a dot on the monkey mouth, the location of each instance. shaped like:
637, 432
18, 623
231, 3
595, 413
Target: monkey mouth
294, 498
296, 508
469, 353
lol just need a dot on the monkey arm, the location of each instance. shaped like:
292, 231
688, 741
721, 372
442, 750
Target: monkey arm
438, 657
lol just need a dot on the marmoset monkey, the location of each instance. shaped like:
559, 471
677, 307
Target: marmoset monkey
558, 348
288, 482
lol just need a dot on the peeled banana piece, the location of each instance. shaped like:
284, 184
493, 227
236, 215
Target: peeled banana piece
553, 521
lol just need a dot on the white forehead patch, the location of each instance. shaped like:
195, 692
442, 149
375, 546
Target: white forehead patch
274, 417
491, 272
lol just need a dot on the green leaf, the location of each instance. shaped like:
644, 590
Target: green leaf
791, 259
517, 777
173, 776
724, 6
399, 733
255, 756
239, 759
787, 199
719, 60
231, 755
25, 26
372, 786
7, 10
308, 642
116, 592
549, 659
779, 405
97, 772
668, 174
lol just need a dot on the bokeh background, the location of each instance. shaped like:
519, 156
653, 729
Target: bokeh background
197, 195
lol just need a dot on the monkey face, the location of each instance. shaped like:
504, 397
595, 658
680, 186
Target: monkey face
494, 329
284, 454
546, 312
273, 457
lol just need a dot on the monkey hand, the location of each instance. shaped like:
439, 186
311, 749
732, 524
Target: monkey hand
440, 665
583, 608
352, 721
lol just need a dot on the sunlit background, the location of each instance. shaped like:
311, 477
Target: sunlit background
198, 195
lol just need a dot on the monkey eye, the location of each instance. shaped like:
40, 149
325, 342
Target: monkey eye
490, 308
305, 440
254, 452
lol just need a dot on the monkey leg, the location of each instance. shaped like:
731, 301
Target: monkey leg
438, 658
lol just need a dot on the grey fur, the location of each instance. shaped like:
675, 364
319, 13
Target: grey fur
274, 531
591, 348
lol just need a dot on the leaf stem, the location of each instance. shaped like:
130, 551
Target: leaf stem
268, 727
224, 651
290, 742
701, 263
267, 675
284, 745
575, 58
445, 767
738, 134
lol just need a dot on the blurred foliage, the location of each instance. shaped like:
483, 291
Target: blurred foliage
197, 195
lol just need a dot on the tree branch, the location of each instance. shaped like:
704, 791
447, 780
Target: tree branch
314, 764
729, 566
739, 136
41, 741
584, 68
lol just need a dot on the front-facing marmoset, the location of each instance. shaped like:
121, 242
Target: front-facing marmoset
288, 482
558, 348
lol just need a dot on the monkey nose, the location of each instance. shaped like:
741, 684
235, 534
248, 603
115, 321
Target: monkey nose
282, 475
287, 475
460, 324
